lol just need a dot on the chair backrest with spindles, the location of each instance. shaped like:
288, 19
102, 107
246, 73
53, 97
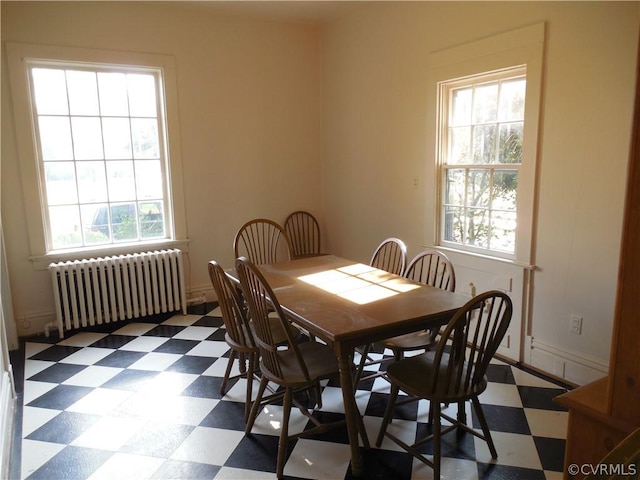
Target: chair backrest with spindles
390, 256
262, 241
432, 268
303, 231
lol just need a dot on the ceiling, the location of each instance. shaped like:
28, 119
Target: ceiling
310, 11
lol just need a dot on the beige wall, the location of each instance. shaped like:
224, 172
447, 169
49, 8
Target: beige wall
277, 116
249, 100
374, 80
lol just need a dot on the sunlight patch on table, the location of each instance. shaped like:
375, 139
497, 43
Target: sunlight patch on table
358, 283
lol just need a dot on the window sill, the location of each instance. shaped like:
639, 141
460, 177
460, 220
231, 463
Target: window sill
42, 262
481, 256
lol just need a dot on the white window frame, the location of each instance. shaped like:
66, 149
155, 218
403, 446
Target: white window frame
18, 56
522, 47
444, 162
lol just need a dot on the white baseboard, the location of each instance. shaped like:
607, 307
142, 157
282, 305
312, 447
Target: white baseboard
33, 323
206, 290
574, 367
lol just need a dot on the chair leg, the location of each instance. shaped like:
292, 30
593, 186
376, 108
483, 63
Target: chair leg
430, 415
242, 361
225, 380
249, 377
397, 355
437, 429
316, 396
388, 414
284, 432
462, 414
485, 427
255, 407
363, 360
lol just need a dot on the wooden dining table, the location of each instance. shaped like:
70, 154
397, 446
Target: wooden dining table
349, 304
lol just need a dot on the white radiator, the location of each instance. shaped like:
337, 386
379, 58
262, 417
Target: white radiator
110, 289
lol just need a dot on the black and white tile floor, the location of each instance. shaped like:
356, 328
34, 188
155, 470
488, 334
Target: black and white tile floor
141, 401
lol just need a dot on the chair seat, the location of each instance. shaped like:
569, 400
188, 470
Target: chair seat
411, 341
405, 372
320, 360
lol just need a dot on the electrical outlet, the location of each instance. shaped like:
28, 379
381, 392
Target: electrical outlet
575, 324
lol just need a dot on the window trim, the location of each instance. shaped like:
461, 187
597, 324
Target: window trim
17, 54
521, 47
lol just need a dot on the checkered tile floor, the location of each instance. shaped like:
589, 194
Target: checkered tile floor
142, 401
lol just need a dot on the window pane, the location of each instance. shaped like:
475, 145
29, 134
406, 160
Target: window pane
453, 224
503, 230
120, 180
477, 227
505, 188
460, 145
484, 144
142, 95
454, 187
145, 138
485, 103
50, 91
87, 138
113, 94
95, 223
512, 93
151, 220
117, 138
65, 227
61, 183
149, 179
461, 107
92, 182
124, 223
511, 142
83, 92
55, 138
478, 188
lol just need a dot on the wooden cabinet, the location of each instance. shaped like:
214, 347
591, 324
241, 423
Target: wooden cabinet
604, 412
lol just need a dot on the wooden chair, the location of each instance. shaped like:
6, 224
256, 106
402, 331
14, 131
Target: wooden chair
390, 256
296, 367
303, 231
262, 241
431, 268
452, 373
238, 331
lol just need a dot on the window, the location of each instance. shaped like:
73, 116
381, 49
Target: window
100, 134
485, 98
100, 165
482, 132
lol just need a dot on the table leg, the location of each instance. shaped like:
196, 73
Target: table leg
355, 425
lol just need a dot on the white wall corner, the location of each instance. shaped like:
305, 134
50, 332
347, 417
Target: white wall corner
7, 417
